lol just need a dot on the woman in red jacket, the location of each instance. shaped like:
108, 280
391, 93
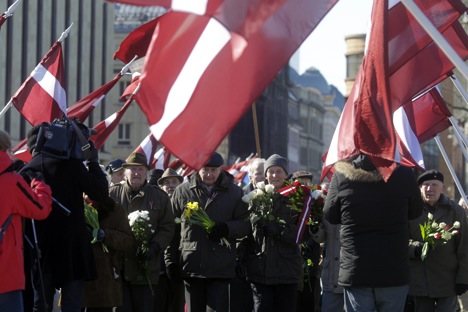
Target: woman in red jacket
18, 199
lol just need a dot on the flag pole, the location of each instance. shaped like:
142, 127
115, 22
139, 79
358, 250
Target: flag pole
65, 34
257, 136
460, 88
460, 138
125, 69
450, 167
12, 8
436, 36
7, 107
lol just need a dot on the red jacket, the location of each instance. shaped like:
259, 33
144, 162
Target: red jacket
21, 200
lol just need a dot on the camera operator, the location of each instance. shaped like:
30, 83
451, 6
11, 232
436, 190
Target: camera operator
19, 199
66, 260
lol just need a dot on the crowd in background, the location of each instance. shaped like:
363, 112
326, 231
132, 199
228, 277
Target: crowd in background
164, 242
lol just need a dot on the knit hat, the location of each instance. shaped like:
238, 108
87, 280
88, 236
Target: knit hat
169, 173
276, 160
136, 159
115, 165
215, 161
431, 175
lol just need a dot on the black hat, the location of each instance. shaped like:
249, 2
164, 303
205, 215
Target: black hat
215, 161
302, 174
430, 175
154, 176
276, 160
169, 173
115, 165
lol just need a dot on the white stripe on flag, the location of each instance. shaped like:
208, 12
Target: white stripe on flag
110, 119
211, 41
407, 136
146, 145
99, 100
51, 85
190, 6
159, 156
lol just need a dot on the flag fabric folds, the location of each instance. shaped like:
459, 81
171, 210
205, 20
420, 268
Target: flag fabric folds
42, 96
212, 76
105, 127
400, 62
83, 108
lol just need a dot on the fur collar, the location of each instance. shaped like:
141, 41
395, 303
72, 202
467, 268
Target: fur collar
358, 175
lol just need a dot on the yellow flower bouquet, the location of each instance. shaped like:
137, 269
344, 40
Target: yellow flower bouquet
198, 216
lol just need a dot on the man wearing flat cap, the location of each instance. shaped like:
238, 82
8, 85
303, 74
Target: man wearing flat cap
204, 263
137, 194
437, 280
116, 171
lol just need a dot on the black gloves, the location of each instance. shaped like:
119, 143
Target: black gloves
418, 250
29, 175
272, 229
100, 235
460, 289
153, 250
219, 231
173, 272
241, 271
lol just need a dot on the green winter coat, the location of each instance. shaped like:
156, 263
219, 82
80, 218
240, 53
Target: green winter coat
196, 254
156, 201
447, 264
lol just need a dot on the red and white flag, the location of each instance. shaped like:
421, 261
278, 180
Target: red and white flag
42, 97
154, 156
83, 108
400, 62
199, 79
136, 42
105, 127
21, 151
428, 115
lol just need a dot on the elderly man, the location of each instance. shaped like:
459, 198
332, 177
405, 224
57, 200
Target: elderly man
437, 280
255, 173
207, 266
169, 180
136, 194
115, 171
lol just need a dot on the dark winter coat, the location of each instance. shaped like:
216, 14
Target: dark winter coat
106, 290
156, 201
447, 264
19, 200
374, 224
197, 255
271, 260
64, 240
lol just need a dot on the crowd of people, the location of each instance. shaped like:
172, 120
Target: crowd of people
165, 242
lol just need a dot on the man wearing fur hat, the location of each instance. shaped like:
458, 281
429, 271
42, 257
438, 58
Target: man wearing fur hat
374, 215
136, 194
437, 280
206, 265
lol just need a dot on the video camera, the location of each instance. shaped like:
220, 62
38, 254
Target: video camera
64, 139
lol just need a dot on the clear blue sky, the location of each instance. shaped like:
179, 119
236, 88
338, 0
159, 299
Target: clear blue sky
325, 48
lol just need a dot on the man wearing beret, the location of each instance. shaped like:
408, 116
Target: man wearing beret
437, 280
116, 171
206, 265
137, 194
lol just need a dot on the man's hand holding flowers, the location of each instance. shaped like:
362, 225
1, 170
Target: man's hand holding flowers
218, 231
434, 234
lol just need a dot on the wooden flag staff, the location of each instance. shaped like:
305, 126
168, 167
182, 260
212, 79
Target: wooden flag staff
257, 136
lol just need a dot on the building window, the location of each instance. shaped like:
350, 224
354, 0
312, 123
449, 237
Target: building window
124, 134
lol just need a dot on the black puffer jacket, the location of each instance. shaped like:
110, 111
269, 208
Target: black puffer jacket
374, 224
197, 255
